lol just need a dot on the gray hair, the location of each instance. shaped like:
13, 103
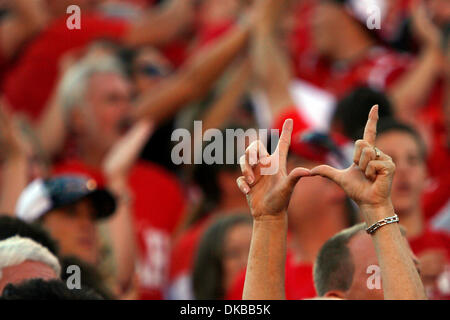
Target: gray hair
16, 250
75, 82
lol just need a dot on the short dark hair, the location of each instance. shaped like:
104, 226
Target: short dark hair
352, 110
207, 276
39, 289
334, 267
390, 124
10, 227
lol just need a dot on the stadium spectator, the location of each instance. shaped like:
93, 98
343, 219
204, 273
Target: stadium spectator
407, 150
67, 207
222, 253
22, 259
41, 289
12, 226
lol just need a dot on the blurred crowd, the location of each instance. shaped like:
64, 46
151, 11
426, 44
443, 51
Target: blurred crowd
86, 135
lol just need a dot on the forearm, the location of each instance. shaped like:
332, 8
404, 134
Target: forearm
272, 70
14, 180
412, 89
51, 129
194, 79
264, 279
401, 281
220, 112
158, 26
27, 19
121, 228
32, 12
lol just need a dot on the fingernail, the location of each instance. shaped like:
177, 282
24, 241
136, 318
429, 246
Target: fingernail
251, 179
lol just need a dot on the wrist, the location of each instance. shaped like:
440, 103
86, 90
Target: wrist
270, 218
375, 212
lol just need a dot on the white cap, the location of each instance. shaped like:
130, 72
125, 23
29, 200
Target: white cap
363, 9
33, 202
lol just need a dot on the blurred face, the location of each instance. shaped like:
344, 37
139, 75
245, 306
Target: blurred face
149, 68
107, 105
75, 230
25, 271
235, 252
363, 252
325, 26
314, 196
410, 173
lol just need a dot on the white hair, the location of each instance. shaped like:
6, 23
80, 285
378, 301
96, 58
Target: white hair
16, 250
73, 86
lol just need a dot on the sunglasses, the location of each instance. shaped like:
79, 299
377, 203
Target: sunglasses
152, 70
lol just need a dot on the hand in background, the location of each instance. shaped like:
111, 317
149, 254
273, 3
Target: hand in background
125, 152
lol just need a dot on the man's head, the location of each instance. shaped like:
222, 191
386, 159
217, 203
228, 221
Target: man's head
22, 259
41, 289
351, 112
96, 97
336, 21
68, 207
347, 266
11, 226
408, 152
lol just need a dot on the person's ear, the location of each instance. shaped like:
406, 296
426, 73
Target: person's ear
336, 294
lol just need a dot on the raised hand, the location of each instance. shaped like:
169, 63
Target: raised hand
12, 141
368, 180
125, 152
265, 182
427, 32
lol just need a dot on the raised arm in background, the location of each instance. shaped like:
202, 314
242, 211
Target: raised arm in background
161, 25
199, 74
269, 63
14, 154
116, 167
28, 17
410, 92
229, 99
367, 181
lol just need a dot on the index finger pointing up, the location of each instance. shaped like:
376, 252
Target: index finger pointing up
370, 131
285, 139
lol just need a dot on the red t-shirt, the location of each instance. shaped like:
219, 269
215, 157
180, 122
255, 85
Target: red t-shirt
431, 240
379, 68
299, 281
30, 81
158, 207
